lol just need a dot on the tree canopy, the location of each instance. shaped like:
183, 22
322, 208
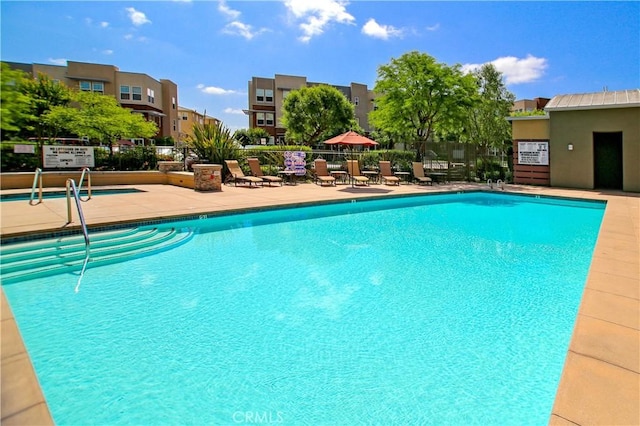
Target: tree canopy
251, 136
417, 96
100, 117
15, 104
317, 113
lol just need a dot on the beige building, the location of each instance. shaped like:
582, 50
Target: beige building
156, 100
187, 118
529, 105
592, 142
266, 96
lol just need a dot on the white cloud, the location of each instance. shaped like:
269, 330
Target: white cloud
317, 15
128, 36
212, 90
60, 61
104, 24
137, 18
107, 52
515, 70
226, 10
435, 27
373, 29
233, 111
242, 29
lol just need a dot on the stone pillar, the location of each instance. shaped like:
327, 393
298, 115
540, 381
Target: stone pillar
207, 177
170, 166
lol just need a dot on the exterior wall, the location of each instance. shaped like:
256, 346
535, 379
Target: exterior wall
187, 118
360, 95
170, 108
575, 169
59, 179
530, 129
83, 71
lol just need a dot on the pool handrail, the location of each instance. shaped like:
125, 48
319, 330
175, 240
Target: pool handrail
85, 171
72, 189
37, 178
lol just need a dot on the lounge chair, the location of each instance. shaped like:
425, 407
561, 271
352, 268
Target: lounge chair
237, 175
353, 169
321, 173
418, 174
254, 165
387, 175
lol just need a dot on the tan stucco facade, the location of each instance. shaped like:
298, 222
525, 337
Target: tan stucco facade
575, 168
530, 128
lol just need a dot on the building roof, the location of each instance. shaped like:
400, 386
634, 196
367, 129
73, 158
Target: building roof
598, 100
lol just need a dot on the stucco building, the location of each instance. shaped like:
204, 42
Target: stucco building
156, 100
266, 96
587, 140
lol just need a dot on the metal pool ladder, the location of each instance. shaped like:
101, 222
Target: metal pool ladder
73, 190
37, 179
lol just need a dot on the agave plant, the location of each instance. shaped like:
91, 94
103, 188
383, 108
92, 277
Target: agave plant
214, 143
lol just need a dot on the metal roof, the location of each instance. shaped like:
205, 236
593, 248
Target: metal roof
598, 100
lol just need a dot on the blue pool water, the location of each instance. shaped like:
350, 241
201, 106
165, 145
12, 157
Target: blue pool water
61, 194
448, 309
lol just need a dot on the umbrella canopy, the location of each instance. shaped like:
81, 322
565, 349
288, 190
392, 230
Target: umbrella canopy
351, 138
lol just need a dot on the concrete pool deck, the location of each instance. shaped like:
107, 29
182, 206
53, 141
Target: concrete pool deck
600, 383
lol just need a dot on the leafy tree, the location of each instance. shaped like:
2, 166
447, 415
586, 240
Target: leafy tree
14, 103
418, 96
213, 142
45, 94
100, 117
486, 123
251, 136
313, 114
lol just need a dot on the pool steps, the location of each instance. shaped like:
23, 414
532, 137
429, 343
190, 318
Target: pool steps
34, 259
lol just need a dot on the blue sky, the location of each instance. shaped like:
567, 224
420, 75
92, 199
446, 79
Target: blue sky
211, 49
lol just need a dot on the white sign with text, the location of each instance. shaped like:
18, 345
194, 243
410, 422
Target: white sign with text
68, 156
534, 153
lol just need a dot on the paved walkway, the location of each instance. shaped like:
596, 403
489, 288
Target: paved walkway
601, 378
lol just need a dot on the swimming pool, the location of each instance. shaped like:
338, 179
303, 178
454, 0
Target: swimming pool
437, 309
23, 196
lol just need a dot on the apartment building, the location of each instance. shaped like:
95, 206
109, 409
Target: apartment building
266, 96
156, 100
529, 105
187, 118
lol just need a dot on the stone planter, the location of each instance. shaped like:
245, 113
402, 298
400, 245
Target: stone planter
170, 166
207, 177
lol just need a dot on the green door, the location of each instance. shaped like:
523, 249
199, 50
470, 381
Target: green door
607, 160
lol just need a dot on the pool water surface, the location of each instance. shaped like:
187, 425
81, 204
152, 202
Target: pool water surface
443, 309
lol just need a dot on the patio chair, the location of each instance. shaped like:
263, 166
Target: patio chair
237, 175
418, 174
321, 173
387, 174
254, 165
353, 169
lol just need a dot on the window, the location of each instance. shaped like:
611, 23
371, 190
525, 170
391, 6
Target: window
125, 93
260, 118
185, 116
175, 126
173, 102
98, 87
268, 94
356, 101
137, 93
85, 86
151, 96
260, 95
285, 93
269, 118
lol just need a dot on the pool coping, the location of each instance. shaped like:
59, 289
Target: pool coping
601, 375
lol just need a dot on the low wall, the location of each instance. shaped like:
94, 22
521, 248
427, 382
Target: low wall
59, 179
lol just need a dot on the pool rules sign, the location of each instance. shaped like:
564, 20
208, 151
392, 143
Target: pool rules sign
57, 156
534, 153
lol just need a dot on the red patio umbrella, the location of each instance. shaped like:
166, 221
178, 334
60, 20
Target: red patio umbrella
351, 139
